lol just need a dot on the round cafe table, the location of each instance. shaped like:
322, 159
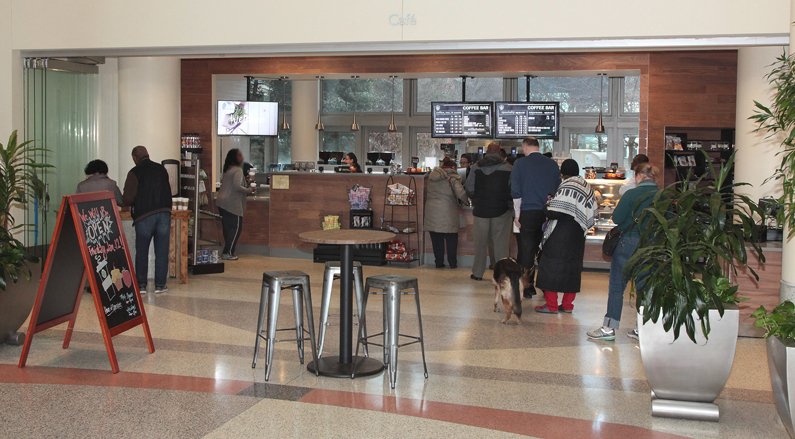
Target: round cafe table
341, 366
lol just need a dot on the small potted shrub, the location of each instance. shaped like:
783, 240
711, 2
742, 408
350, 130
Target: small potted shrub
20, 270
780, 334
693, 236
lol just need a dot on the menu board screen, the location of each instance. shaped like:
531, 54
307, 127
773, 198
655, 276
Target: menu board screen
522, 119
462, 119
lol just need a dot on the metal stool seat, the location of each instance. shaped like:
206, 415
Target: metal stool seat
331, 274
273, 282
392, 287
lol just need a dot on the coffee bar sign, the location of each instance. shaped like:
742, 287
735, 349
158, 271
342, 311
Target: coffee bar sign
399, 20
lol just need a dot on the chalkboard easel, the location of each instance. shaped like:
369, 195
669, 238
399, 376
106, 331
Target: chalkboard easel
88, 243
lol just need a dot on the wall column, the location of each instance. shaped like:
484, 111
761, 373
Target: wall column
306, 101
149, 108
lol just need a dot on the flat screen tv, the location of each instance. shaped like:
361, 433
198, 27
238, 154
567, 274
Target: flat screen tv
516, 120
242, 118
469, 120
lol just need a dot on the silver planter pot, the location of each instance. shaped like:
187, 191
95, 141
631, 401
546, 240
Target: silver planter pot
686, 377
16, 302
781, 361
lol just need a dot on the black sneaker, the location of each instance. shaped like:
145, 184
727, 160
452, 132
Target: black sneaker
161, 290
473, 277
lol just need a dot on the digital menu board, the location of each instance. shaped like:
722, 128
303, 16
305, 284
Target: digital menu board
516, 120
462, 119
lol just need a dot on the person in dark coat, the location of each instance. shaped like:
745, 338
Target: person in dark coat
571, 212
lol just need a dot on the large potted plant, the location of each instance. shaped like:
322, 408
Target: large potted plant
693, 236
779, 119
20, 270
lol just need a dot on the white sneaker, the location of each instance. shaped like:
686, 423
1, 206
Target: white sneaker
633, 334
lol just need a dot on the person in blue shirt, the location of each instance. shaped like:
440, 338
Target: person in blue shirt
534, 179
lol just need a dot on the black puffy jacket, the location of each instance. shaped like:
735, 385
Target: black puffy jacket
147, 190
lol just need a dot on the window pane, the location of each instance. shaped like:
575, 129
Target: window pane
589, 149
428, 147
338, 141
484, 89
387, 142
436, 90
284, 154
630, 149
576, 95
596, 142
632, 94
547, 145
266, 90
371, 95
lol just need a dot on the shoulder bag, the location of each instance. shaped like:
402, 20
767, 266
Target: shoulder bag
611, 241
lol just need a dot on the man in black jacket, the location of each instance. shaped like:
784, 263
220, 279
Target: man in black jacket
148, 193
489, 187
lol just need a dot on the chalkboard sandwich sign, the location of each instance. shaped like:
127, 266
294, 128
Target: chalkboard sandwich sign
88, 243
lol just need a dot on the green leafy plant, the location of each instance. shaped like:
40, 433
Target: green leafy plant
693, 236
18, 184
779, 323
779, 120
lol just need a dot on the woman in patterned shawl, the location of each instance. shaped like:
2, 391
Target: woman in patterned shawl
571, 212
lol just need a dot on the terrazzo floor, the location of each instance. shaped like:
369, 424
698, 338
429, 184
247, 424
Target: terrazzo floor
486, 380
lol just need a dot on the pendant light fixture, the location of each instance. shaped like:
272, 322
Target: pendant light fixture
354, 125
319, 125
600, 128
284, 126
392, 128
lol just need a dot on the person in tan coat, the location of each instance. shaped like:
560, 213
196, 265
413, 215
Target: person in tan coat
443, 193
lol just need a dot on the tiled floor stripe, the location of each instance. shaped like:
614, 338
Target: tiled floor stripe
541, 426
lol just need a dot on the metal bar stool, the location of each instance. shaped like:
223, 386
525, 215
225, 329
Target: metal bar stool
392, 287
331, 274
273, 282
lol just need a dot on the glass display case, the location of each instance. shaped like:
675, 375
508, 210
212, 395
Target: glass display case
607, 197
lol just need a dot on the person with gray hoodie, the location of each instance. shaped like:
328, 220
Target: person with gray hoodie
489, 187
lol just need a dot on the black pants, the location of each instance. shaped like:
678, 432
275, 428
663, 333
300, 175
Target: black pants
232, 225
531, 234
518, 247
438, 242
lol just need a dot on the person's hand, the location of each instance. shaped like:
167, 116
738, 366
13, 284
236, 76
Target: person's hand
516, 222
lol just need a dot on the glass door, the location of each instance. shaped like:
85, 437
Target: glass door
60, 116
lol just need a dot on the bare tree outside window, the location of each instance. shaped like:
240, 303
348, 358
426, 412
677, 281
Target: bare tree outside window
576, 94
449, 90
631, 94
387, 142
338, 141
371, 95
430, 147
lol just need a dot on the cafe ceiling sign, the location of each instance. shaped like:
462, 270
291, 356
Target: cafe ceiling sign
399, 20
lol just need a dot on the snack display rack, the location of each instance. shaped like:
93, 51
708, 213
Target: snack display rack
400, 216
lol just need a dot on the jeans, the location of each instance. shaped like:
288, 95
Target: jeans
530, 233
157, 226
438, 240
232, 225
618, 281
499, 231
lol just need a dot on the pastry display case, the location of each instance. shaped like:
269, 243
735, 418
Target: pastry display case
607, 197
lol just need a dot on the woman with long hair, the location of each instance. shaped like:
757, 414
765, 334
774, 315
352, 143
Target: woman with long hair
232, 202
626, 216
351, 160
443, 193
571, 213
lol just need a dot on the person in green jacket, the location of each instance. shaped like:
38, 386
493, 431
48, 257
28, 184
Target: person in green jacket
626, 216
